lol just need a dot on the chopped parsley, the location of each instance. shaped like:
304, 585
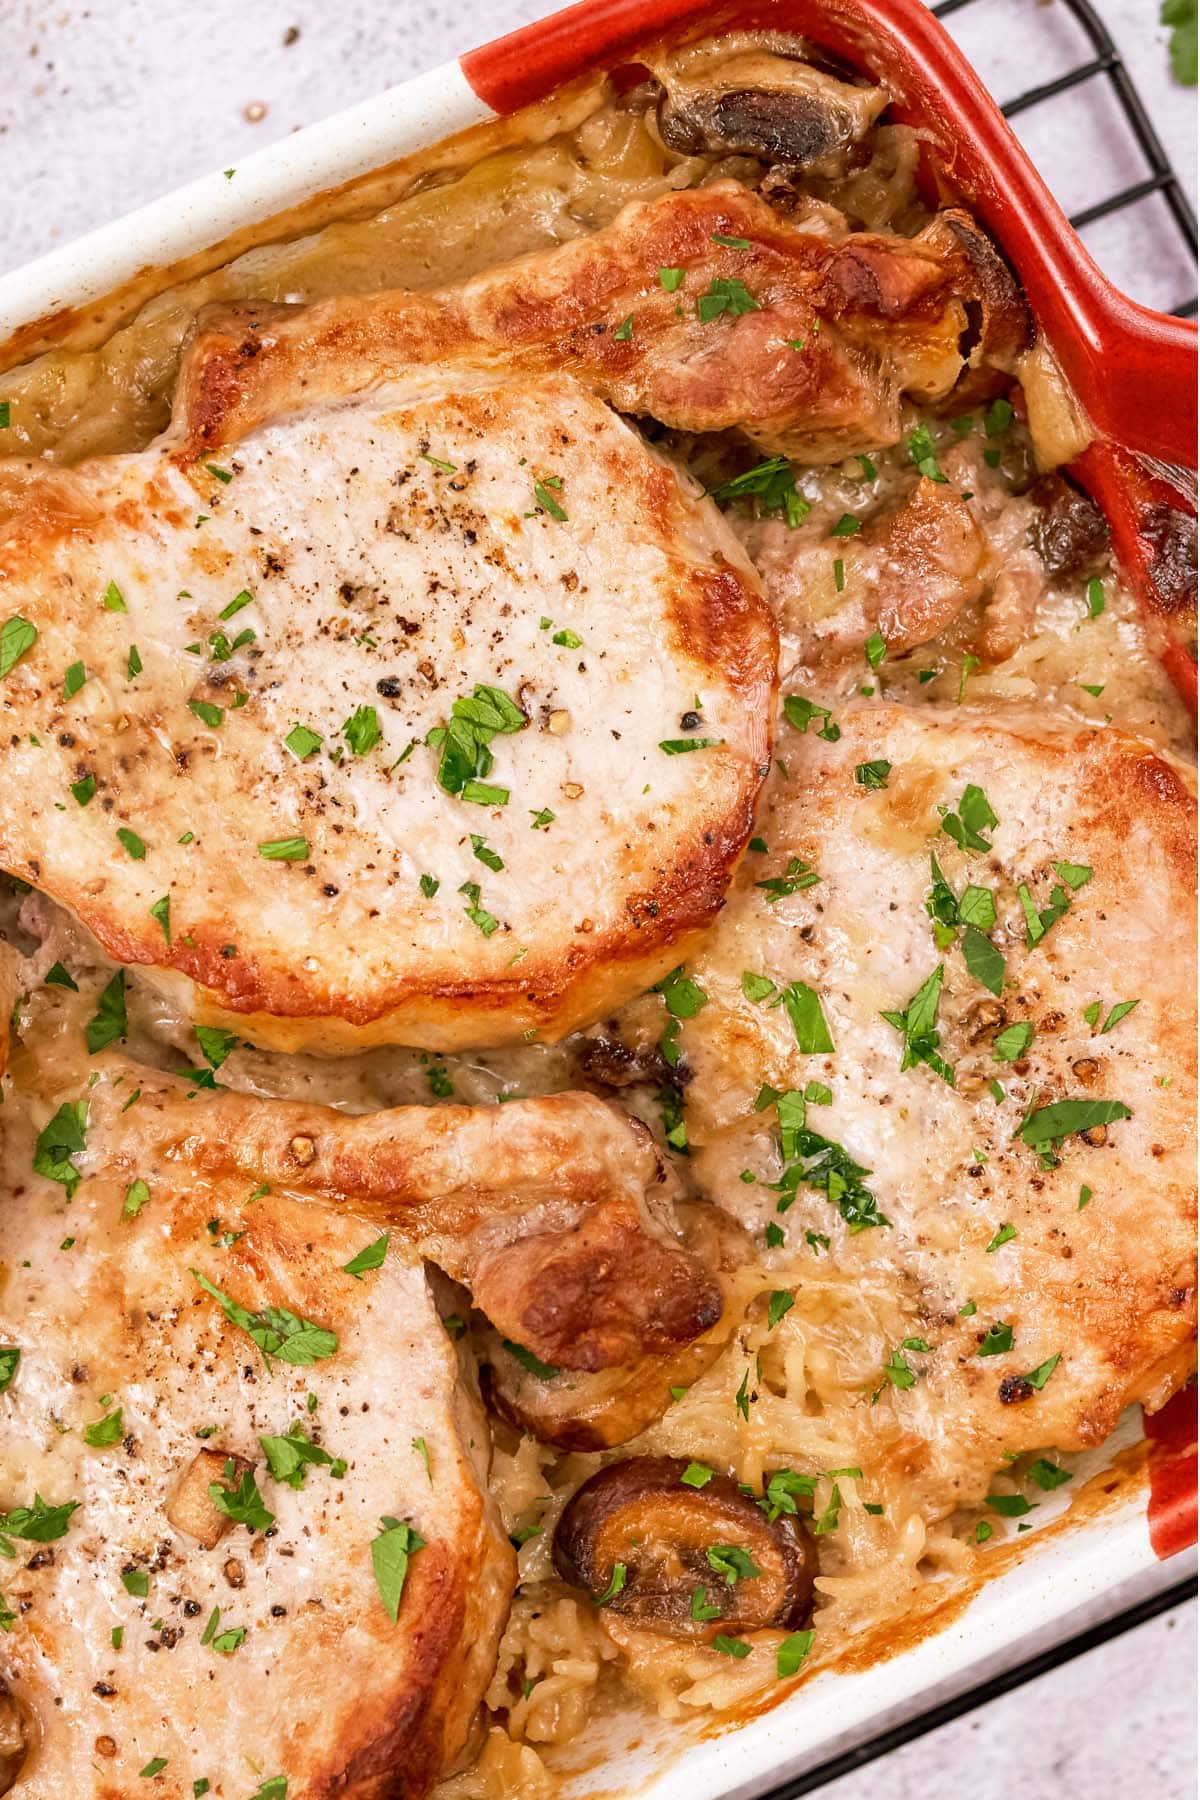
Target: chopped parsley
101, 1433
872, 775
918, 1025
545, 501
800, 713
58, 1141
733, 1563
526, 1358
982, 958
242, 1504
771, 486
682, 996
797, 876
779, 1305
670, 280
114, 600
1048, 1475
923, 451
696, 1475
803, 1005
361, 730
277, 1332
301, 740
36, 1524
109, 1022
973, 818
475, 720
616, 1583
483, 852
721, 296
996, 1340
681, 746
132, 843
1011, 1044
289, 1458
792, 1651
160, 912
371, 1257
289, 849
137, 1195
479, 916
1037, 1378
1047, 1126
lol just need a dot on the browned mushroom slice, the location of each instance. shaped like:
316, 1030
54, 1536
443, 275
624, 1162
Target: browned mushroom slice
999, 327
14, 1739
757, 104
1069, 532
691, 1557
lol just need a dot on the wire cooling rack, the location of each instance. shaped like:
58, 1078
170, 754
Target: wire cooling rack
1144, 146
1105, 65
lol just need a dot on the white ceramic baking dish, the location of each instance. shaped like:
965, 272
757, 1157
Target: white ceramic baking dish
1065, 1564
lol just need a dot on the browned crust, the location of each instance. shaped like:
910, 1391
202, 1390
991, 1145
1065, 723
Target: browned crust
402, 1741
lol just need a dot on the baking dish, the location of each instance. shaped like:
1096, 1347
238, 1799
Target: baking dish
1111, 351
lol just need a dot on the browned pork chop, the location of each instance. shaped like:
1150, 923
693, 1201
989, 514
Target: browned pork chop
154, 1632
1034, 1158
703, 309
148, 1229
221, 737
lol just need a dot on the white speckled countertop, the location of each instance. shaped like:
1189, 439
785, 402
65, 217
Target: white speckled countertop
107, 106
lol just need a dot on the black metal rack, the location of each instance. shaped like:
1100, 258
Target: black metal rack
1161, 177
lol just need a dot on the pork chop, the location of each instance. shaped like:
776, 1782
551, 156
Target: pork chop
1003, 1049
703, 309
434, 717
244, 1544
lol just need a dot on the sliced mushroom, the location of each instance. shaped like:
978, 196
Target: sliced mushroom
190, 1508
1069, 532
14, 1738
610, 1062
758, 104
690, 1560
